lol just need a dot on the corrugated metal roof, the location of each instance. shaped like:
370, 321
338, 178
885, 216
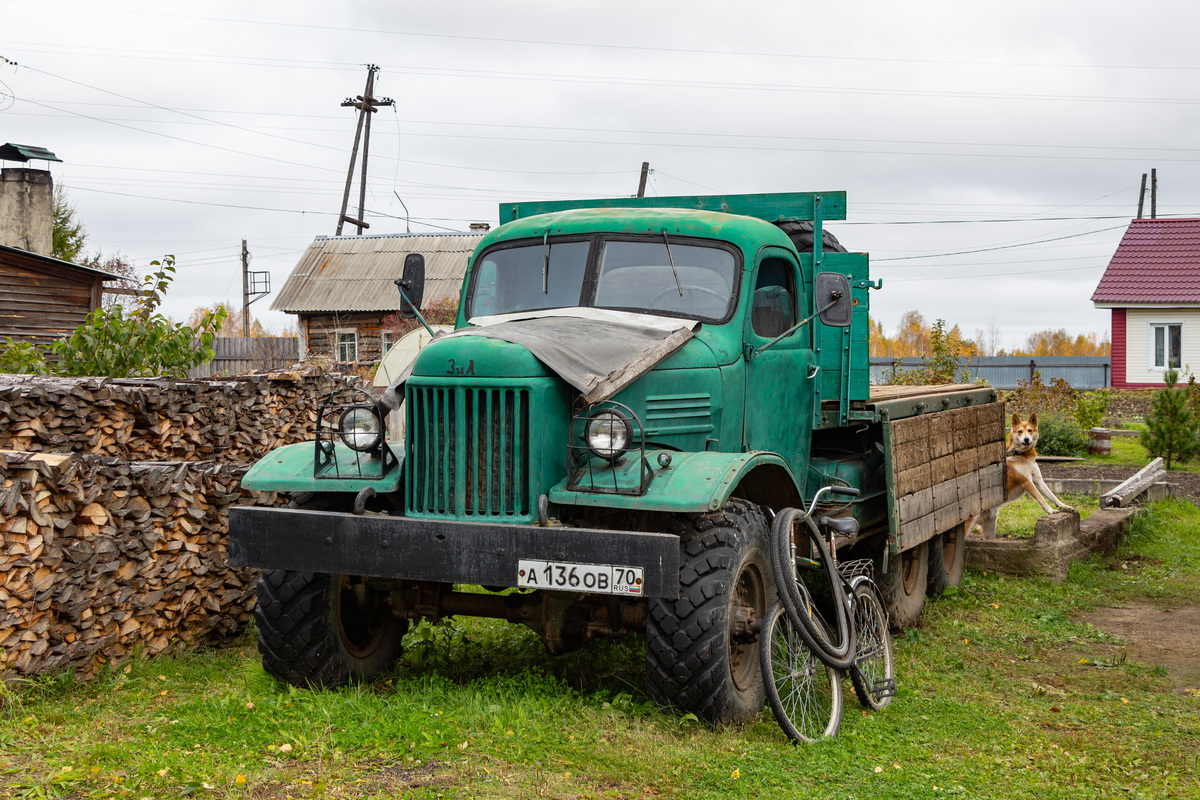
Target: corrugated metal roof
356, 273
26, 152
1157, 261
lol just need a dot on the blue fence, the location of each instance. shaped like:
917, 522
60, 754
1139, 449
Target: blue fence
1003, 372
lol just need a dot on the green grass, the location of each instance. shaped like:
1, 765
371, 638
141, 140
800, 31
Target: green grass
1002, 695
1018, 518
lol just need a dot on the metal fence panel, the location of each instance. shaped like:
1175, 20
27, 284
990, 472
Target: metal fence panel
238, 355
1003, 372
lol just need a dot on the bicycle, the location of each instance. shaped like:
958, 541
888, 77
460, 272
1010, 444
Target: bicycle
803, 655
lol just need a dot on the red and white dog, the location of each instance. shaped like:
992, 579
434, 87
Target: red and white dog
1021, 475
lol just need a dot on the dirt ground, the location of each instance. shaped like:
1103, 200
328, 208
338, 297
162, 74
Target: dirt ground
1153, 635
1166, 637
1187, 483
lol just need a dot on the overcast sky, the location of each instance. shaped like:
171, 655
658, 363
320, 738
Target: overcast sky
991, 152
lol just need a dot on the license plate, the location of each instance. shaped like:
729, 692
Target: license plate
567, 577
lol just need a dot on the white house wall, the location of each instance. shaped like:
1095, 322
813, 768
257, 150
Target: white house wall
1137, 341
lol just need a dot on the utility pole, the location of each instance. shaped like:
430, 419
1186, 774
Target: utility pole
1154, 194
642, 180
255, 286
1142, 196
366, 103
245, 291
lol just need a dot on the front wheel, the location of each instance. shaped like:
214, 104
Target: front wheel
805, 695
701, 648
324, 630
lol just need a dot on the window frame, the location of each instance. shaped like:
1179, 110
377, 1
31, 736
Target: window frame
386, 343
338, 343
1152, 355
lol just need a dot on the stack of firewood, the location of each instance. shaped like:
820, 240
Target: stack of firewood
233, 420
101, 558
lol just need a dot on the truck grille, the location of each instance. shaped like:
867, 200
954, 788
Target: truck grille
467, 452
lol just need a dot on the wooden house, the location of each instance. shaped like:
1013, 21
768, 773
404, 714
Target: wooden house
43, 298
343, 287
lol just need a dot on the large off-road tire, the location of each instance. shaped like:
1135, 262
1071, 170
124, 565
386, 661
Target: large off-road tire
801, 234
947, 555
324, 630
903, 585
701, 655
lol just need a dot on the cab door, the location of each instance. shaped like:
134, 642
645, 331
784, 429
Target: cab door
779, 380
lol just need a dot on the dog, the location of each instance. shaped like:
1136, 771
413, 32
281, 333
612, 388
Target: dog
1021, 475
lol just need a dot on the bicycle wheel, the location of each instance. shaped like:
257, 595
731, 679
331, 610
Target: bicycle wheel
874, 670
805, 695
831, 640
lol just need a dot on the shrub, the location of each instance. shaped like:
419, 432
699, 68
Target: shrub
1090, 408
22, 358
1058, 435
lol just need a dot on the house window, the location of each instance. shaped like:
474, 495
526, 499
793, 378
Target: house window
1166, 344
347, 346
387, 340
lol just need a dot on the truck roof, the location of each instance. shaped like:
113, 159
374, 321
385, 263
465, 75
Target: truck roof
677, 222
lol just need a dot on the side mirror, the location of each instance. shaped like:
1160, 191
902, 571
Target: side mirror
411, 284
831, 299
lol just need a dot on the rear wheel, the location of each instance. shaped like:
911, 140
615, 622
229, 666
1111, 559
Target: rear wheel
947, 555
805, 695
874, 670
903, 585
701, 649
324, 630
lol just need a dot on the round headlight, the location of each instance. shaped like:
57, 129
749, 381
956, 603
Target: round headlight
360, 428
608, 434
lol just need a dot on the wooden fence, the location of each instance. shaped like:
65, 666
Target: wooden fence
237, 356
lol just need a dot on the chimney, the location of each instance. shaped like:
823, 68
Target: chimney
480, 227
27, 201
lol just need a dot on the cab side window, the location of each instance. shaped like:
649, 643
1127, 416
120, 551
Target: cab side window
773, 309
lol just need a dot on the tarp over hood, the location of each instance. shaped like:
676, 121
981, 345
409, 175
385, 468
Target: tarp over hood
597, 351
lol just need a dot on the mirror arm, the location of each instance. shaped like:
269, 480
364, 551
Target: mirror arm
400, 287
798, 325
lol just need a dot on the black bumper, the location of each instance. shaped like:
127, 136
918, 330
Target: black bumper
483, 554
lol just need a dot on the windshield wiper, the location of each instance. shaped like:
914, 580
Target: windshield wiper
546, 262
671, 258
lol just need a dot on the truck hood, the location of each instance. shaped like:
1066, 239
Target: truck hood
598, 352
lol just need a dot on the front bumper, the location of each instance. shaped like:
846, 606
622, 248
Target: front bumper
399, 548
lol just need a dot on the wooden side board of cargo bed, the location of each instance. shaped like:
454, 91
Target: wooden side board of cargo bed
943, 467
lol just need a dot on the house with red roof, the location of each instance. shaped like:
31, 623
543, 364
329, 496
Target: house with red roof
1152, 285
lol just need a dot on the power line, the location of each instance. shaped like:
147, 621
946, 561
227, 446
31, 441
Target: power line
998, 247
655, 49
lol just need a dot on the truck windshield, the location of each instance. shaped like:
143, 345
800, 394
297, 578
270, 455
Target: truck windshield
686, 280
510, 279
682, 279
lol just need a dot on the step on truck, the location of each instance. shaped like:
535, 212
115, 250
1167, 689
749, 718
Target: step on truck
633, 389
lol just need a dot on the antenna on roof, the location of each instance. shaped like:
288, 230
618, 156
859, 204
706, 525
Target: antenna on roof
1141, 196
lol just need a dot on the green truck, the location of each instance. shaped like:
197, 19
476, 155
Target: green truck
633, 389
